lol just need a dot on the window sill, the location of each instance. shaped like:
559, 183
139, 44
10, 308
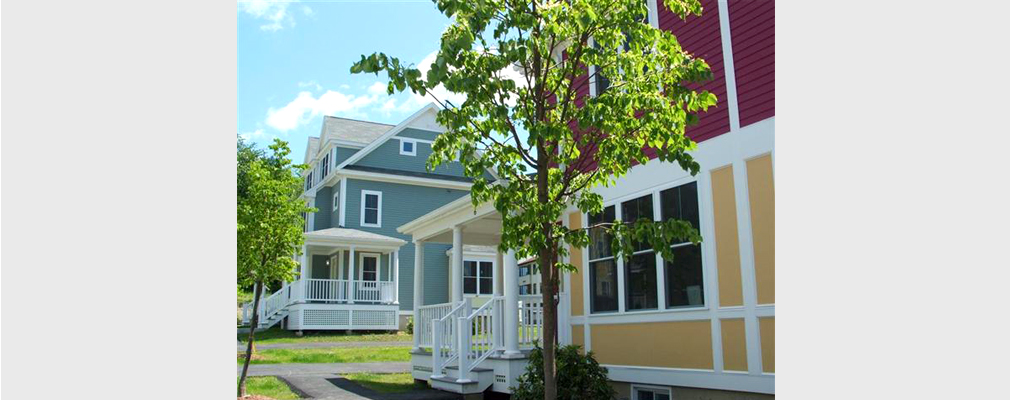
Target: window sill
646, 312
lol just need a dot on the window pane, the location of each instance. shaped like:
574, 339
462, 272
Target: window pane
371, 201
469, 285
681, 202
632, 210
485, 269
599, 239
640, 282
371, 216
662, 396
684, 284
470, 268
645, 395
603, 278
485, 285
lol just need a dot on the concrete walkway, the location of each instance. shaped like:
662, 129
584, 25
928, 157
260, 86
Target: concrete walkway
323, 381
316, 345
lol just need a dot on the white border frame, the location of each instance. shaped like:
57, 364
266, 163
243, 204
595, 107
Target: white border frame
494, 269
336, 200
361, 271
412, 142
654, 389
378, 223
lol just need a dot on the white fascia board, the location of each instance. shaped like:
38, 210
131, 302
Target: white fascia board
402, 179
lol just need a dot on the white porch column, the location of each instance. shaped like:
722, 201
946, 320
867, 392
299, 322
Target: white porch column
457, 263
350, 277
497, 288
303, 272
511, 305
418, 294
396, 277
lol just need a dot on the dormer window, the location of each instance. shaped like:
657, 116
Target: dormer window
408, 147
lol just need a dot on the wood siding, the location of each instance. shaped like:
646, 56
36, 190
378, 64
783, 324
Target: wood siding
700, 36
752, 28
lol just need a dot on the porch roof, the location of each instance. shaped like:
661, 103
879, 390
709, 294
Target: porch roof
346, 236
481, 225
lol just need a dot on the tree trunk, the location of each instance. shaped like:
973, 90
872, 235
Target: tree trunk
550, 322
257, 290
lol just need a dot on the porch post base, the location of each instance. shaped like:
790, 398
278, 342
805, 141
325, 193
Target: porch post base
511, 354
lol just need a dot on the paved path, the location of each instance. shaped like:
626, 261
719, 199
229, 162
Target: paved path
330, 370
316, 345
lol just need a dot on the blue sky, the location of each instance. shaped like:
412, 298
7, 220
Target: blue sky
294, 60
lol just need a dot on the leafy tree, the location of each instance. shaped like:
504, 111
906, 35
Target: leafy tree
269, 227
247, 153
580, 377
550, 145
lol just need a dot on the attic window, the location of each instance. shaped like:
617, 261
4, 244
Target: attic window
408, 147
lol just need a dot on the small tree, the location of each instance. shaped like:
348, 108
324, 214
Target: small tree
572, 143
269, 227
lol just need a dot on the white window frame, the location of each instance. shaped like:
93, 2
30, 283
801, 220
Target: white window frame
336, 200
361, 271
653, 389
478, 260
413, 144
378, 222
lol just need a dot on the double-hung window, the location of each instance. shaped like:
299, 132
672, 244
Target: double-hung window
477, 277
640, 268
649, 393
371, 208
602, 266
684, 280
326, 165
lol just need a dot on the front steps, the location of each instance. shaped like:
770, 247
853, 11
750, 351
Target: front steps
477, 380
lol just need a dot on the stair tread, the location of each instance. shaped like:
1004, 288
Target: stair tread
452, 380
475, 369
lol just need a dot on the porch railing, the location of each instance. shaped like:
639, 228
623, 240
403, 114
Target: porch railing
480, 335
349, 290
531, 320
422, 321
444, 334
275, 302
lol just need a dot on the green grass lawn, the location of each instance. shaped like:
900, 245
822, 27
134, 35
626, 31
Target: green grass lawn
277, 335
386, 383
329, 355
269, 386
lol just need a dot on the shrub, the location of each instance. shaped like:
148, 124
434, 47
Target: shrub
579, 377
410, 325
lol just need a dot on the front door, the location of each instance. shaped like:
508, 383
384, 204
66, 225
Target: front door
369, 277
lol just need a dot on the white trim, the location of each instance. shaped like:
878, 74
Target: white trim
413, 147
378, 221
747, 273
651, 388
336, 200
692, 378
729, 70
404, 179
343, 201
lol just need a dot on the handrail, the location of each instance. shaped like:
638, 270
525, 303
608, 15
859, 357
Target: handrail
480, 335
443, 335
425, 314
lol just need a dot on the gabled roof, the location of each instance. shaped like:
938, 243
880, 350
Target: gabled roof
352, 130
388, 134
352, 236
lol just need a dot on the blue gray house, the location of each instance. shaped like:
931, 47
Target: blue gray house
357, 272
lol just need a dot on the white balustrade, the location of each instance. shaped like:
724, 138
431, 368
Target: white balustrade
340, 290
481, 334
531, 320
422, 321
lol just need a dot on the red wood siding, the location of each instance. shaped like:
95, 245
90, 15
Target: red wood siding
701, 37
752, 28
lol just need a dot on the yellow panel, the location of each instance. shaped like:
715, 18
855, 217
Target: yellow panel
761, 189
579, 336
682, 344
767, 344
727, 243
734, 345
575, 222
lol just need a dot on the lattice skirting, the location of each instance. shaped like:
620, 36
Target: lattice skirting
343, 319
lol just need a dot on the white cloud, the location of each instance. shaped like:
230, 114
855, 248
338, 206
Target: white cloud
274, 13
306, 106
259, 133
311, 84
377, 89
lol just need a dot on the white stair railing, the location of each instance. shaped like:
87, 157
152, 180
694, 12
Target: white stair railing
480, 335
444, 334
274, 303
425, 314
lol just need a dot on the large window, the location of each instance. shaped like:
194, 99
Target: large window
477, 277
640, 269
371, 208
602, 268
369, 268
684, 281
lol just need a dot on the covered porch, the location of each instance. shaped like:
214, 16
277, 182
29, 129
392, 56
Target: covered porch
347, 280
466, 345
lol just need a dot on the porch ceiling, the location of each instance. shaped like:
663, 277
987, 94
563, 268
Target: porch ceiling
481, 225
